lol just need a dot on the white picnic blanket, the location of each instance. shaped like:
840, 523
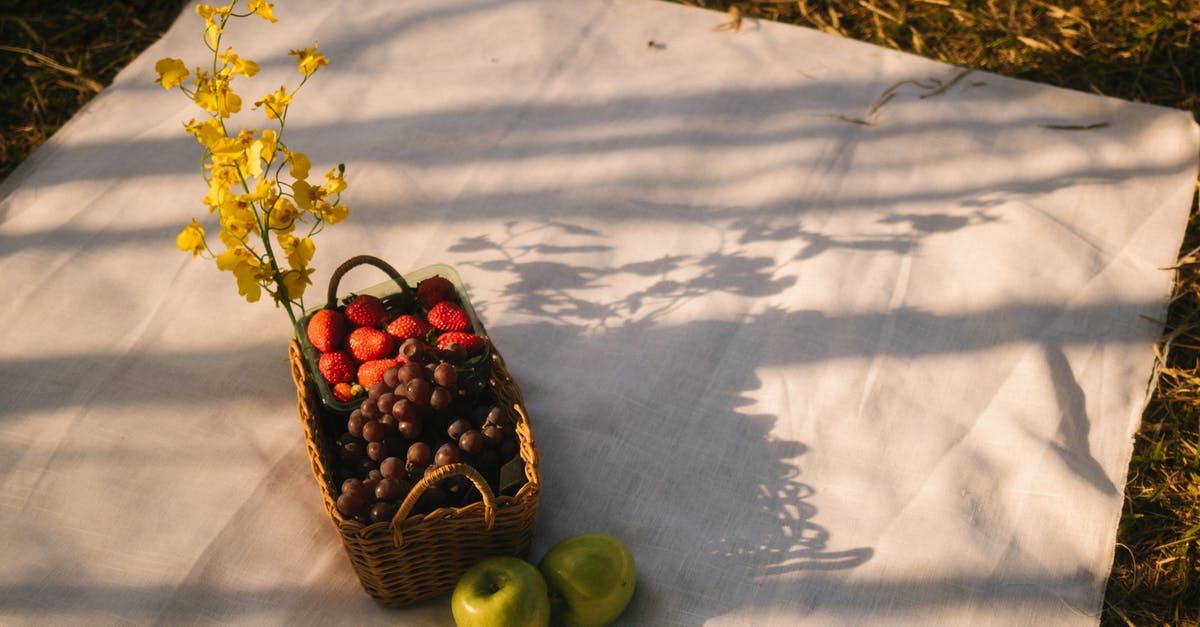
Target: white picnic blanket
828, 334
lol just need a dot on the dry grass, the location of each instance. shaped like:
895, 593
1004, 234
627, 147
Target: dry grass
55, 56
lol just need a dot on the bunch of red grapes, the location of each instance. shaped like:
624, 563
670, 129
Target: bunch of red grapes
426, 413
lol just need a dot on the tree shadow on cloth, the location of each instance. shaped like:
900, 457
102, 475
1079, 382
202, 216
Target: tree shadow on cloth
718, 486
666, 450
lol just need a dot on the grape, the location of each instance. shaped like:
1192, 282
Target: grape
409, 429
432, 498
392, 468
455, 353
353, 484
377, 451
445, 375
383, 511
419, 391
405, 409
370, 409
352, 452
369, 486
456, 484
351, 503
440, 398
355, 422
374, 475
414, 350
457, 428
493, 434
388, 489
389, 423
386, 400
372, 431
419, 454
377, 388
391, 377
497, 416
447, 453
471, 442
411, 371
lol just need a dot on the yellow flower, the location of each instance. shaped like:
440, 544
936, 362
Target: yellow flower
171, 72
223, 178
237, 217
264, 190
191, 238
206, 132
245, 67
213, 18
254, 158
332, 213
300, 165
295, 280
275, 102
245, 268
242, 169
270, 141
308, 59
263, 9
282, 214
227, 150
299, 250
249, 159
306, 195
334, 182
215, 96
208, 12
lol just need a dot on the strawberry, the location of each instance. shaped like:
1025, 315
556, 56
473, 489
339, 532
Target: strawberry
327, 329
406, 326
365, 310
336, 366
473, 343
367, 343
344, 391
446, 316
371, 372
434, 290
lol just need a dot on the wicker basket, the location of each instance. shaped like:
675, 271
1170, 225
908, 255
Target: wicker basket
418, 557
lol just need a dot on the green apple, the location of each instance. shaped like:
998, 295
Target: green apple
591, 578
501, 592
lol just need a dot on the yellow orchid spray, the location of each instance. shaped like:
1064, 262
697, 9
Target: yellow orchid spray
258, 187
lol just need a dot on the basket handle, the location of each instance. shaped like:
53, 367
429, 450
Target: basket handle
353, 262
439, 474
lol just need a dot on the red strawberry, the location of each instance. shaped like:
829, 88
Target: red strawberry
406, 326
473, 343
434, 290
367, 343
336, 366
371, 372
326, 330
446, 316
343, 392
365, 310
